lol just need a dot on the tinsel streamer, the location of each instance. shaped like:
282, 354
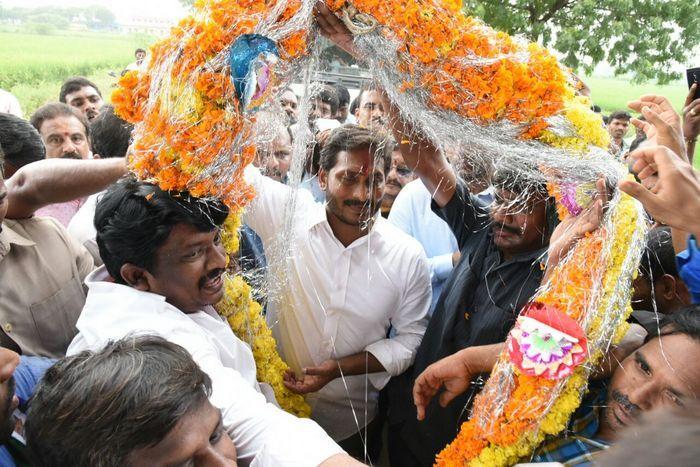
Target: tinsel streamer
500, 101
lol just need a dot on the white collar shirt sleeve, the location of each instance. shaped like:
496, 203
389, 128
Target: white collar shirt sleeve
114, 311
335, 301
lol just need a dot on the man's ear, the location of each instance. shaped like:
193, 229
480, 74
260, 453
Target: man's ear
136, 277
322, 179
673, 288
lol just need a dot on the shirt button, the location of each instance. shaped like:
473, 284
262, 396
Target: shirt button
8, 327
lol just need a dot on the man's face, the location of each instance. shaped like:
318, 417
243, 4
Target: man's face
276, 158
64, 137
342, 114
618, 128
8, 401
290, 104
198, 440
188, 268
354, 187
319, 109
519, 225
140, 56
87, 100
664, 371
370, 112
398, 177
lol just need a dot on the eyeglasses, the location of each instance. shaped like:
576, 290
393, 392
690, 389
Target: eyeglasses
516, 206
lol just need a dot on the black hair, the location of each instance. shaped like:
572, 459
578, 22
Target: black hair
354, 105
527, 183
352, 137
366, 86
76, 83
327, 94
659, 256
134, 218
685, 321
55, 110
111, 135
21, 143
95, 409
637, 142
619, 115
139, 50
343, 95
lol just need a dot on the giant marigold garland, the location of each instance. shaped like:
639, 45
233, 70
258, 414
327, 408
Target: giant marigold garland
591, 287
245, 317
193, 111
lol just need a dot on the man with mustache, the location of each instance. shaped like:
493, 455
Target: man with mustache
66, 135
370, 110
663, 372
351, 276
618, 123
499, 269
163, 271
64, 130
83, 95
399, 175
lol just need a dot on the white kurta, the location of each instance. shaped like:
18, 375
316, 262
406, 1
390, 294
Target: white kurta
113, 311
337, 301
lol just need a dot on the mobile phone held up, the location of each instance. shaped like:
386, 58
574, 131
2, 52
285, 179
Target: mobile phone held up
693, 75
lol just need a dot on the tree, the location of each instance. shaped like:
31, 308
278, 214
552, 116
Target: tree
643, 37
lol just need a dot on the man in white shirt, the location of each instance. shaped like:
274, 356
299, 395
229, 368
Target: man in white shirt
163, 269
351, 275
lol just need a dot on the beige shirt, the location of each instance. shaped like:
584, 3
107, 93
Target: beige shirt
41, 291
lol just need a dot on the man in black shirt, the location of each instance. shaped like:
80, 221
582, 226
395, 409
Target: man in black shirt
503, 250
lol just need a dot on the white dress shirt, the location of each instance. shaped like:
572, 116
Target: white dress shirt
113, 311
82, 227
412, 214
337, 301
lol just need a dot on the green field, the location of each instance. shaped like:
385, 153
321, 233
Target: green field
614, 93
33, 67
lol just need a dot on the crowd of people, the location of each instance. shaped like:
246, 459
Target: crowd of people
409, 267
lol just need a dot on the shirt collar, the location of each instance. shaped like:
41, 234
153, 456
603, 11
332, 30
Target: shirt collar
9, 237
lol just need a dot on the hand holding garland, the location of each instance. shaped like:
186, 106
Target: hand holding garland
418, 152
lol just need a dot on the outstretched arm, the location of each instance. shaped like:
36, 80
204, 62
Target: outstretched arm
57, 181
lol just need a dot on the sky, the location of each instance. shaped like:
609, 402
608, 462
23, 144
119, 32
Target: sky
123, 9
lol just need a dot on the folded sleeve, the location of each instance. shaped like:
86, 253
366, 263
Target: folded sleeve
409, 322
258, 427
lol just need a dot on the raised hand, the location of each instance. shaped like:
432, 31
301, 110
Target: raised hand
333, 28
662, 125
571, 229
670, 188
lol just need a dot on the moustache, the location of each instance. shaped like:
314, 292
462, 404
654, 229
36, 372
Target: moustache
624, 401
213, 274
71, 155
507, 228
354, 202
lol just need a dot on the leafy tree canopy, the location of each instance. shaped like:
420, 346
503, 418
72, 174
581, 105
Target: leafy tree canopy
642, 37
